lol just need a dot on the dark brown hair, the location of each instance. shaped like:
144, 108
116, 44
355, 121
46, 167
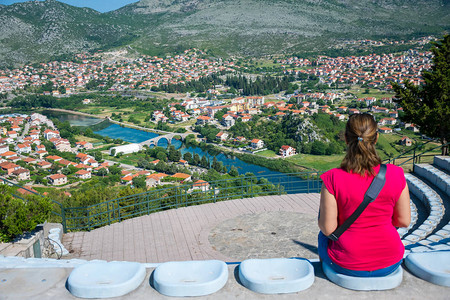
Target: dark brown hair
361, 137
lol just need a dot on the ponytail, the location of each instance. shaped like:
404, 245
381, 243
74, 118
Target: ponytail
361, 136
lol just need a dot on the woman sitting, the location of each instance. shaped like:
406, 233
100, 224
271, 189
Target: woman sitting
371, 246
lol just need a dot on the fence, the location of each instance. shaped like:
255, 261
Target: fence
410, 158
163, 198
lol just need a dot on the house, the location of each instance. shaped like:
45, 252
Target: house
200, 185
9, 167
228, 121
44, 164
12, 134
155, 162
21, 174
41, 153
8, 154
183, 162
202, 120
57, 179
257, 144
239, 139
221, 136
406, 141
182, 176
353, 111
49, 134
63, 145
29, 160
4, 148
153, 180
385, 130
84, 145
127, 179
387, 121
287, 151
412, 127
54, 157
27, 190
83, 174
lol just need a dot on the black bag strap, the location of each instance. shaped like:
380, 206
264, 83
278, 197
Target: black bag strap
370, 195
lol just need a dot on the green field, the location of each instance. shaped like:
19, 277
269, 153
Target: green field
267, 153
317, 162
359, 92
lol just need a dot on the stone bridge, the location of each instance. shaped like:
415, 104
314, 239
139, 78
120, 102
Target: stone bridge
154, 141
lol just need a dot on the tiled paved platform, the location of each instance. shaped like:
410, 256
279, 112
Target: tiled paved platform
274, 227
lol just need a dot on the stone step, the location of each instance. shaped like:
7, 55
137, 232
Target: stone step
434, 175
442, 162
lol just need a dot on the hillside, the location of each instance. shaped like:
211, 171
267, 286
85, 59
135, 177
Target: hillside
39, 30
33, 31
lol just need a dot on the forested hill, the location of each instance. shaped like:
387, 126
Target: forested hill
39, 30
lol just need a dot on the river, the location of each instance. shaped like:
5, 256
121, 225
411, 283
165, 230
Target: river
136, 136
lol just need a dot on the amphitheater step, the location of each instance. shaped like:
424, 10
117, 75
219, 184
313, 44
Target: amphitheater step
423, 238
434, 175
442, 162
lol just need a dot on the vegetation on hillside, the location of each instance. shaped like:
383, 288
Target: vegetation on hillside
18, 216
428, 106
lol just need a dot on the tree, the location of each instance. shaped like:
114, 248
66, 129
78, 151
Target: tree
161, 156
233, 171
102, 172
204, 163
188, 157
196, 159
139, 182
428, 106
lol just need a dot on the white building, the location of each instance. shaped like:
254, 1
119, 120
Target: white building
125, 149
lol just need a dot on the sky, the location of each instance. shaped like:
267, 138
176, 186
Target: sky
98, 5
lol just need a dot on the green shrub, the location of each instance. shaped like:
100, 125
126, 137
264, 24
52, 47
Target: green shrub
18, 216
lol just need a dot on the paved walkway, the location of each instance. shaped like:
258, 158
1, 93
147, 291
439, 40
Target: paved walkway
269, 226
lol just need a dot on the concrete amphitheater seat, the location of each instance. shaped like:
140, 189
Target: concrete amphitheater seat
105, 279
276, 275
190, 278
430, 266
388, 282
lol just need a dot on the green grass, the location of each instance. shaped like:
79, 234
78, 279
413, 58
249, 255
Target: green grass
359, 92
317, 162
130, 159
267, 153
385, 149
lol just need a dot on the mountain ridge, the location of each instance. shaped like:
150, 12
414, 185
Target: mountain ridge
33, 31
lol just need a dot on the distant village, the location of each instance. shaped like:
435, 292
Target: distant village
124, 74
23, 157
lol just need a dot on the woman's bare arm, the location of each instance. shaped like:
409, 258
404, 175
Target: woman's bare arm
328, 219
402, 210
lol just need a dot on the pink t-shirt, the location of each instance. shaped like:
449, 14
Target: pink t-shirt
371, 242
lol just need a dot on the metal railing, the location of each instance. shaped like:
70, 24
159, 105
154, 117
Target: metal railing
405, 159
163, 198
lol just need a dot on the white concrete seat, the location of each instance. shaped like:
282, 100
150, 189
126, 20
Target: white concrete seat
420, 233
430, 266
276, 275
412, 238
190, 278
105, 279
365, 283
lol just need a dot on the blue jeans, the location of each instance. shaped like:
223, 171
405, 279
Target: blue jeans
323, 254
